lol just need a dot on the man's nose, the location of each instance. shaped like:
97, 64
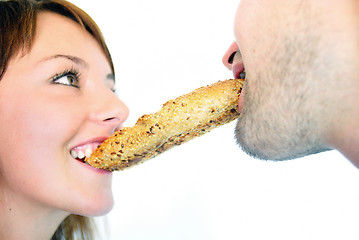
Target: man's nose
229, 55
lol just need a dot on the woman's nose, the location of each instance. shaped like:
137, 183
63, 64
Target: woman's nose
109, 110
229, 55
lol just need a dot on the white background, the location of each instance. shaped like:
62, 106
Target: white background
207, 188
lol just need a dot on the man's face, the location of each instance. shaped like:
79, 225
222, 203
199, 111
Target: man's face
290, 56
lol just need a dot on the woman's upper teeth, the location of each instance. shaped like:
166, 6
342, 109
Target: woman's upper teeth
83, 151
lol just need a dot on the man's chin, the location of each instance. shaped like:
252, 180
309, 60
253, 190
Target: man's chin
257, 145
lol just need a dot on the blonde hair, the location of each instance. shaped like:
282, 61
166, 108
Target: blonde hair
75, 227
18, 28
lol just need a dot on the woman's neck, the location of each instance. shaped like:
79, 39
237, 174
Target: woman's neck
22, 219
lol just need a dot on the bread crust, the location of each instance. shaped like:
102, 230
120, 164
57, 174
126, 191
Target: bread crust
178, 121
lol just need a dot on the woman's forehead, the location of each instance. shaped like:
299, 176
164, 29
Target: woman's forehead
60, 35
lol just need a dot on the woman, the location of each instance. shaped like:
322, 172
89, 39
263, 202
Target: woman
57, 103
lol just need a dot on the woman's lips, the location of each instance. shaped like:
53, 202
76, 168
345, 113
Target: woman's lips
85, 149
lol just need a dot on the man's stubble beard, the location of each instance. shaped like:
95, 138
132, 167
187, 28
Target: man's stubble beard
284, 107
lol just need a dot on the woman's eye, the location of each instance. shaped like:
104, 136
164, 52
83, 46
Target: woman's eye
69, 79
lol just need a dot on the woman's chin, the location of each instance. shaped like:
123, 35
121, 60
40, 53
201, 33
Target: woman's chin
96, 206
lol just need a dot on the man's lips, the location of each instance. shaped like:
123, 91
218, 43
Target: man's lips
240, 101
237, 69
239, 73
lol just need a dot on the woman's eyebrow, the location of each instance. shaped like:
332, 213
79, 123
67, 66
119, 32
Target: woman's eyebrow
77, 60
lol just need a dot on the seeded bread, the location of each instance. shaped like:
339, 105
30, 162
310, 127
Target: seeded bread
178, 121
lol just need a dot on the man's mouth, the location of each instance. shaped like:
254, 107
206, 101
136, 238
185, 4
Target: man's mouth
239, 71
242, 75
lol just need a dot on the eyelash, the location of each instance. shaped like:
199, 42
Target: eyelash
68, 72
71, 72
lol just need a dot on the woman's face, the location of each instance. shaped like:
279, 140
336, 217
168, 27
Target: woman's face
55, 99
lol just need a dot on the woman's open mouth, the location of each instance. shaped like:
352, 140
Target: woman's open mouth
85, 149
81, 152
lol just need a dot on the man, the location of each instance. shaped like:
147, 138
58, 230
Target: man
301, 62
